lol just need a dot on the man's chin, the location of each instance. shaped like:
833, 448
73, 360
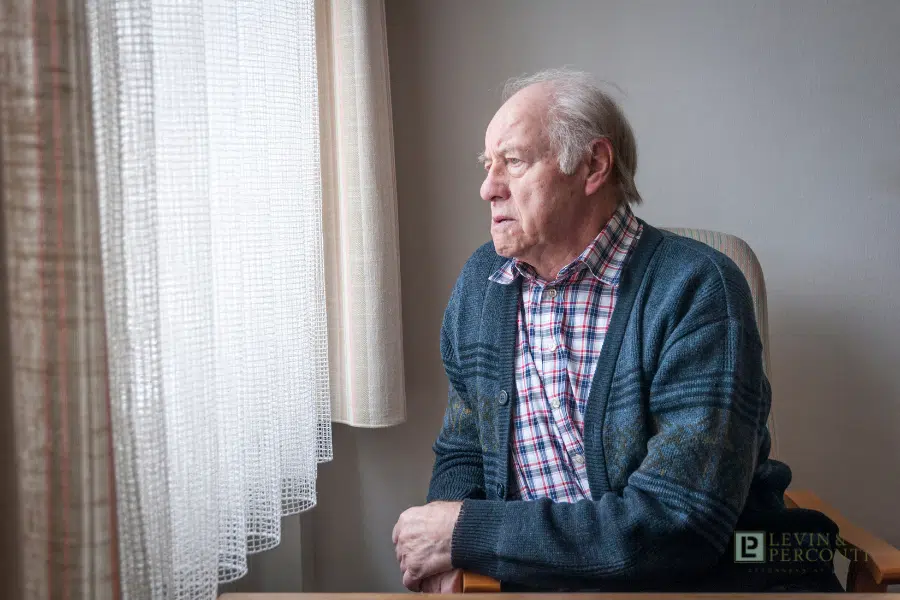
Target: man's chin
503, 249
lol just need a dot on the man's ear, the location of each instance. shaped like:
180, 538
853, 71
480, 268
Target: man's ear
600, 165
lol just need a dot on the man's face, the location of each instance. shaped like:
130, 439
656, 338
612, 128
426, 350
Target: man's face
533, 203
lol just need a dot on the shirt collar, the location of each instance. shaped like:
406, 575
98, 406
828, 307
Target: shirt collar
604, 257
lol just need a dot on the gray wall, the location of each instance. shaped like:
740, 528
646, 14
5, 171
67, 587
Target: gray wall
775, 121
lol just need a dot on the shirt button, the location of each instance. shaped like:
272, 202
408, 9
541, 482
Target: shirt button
578, 459
504, 397
554, 403
501, 491
551, 292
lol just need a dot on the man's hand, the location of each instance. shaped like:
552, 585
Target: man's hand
422, 539
449, 582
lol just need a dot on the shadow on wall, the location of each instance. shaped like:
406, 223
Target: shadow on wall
830, 360
375, 476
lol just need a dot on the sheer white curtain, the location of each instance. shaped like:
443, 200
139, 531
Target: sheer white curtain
207, 126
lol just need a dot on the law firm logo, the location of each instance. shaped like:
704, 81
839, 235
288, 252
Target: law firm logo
749, 547
792, 552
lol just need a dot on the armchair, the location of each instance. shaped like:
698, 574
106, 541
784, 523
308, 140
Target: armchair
875, 564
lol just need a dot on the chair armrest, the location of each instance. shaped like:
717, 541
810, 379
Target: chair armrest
473, 583
880, 558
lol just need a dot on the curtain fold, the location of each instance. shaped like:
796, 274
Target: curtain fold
210, 194
54, 352
359, 189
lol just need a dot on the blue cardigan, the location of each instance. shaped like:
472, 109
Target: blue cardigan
675, 434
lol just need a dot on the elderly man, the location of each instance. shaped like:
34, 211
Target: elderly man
606, 424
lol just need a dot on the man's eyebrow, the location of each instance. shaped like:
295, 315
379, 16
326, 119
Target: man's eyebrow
506, 149
509, 149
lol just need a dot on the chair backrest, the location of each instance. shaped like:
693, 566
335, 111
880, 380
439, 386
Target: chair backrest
740, 252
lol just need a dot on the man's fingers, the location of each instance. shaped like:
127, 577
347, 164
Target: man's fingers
398, 550
453, 582
448, 582
431, 585
411, 583
395, 534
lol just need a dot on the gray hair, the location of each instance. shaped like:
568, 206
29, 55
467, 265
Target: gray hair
579, 113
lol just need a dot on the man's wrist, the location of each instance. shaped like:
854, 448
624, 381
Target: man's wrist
476, 534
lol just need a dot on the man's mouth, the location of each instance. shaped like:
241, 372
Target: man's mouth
501, 219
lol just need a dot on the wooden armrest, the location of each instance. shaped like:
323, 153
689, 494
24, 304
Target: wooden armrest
880, 558
473, 583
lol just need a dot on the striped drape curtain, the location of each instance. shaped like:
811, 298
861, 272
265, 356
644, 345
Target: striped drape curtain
62, 529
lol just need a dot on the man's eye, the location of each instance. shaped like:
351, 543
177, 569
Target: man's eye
515, 162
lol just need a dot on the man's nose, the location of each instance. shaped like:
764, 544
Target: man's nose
494, 187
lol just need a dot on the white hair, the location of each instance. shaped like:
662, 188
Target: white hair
579, 113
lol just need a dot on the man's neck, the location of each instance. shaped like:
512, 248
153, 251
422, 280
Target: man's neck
553, 259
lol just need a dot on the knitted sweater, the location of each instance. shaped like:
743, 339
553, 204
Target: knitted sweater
675, 435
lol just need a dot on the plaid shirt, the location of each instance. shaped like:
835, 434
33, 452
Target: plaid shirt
561, 327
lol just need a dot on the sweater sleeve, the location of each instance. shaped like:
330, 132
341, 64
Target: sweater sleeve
458, 471
708, 403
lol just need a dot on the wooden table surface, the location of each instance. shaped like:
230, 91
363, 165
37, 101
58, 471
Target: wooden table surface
511, 596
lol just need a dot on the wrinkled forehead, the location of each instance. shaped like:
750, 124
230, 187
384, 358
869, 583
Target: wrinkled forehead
521, 122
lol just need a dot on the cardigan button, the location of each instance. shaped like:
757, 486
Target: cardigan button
504, 397
501, 491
